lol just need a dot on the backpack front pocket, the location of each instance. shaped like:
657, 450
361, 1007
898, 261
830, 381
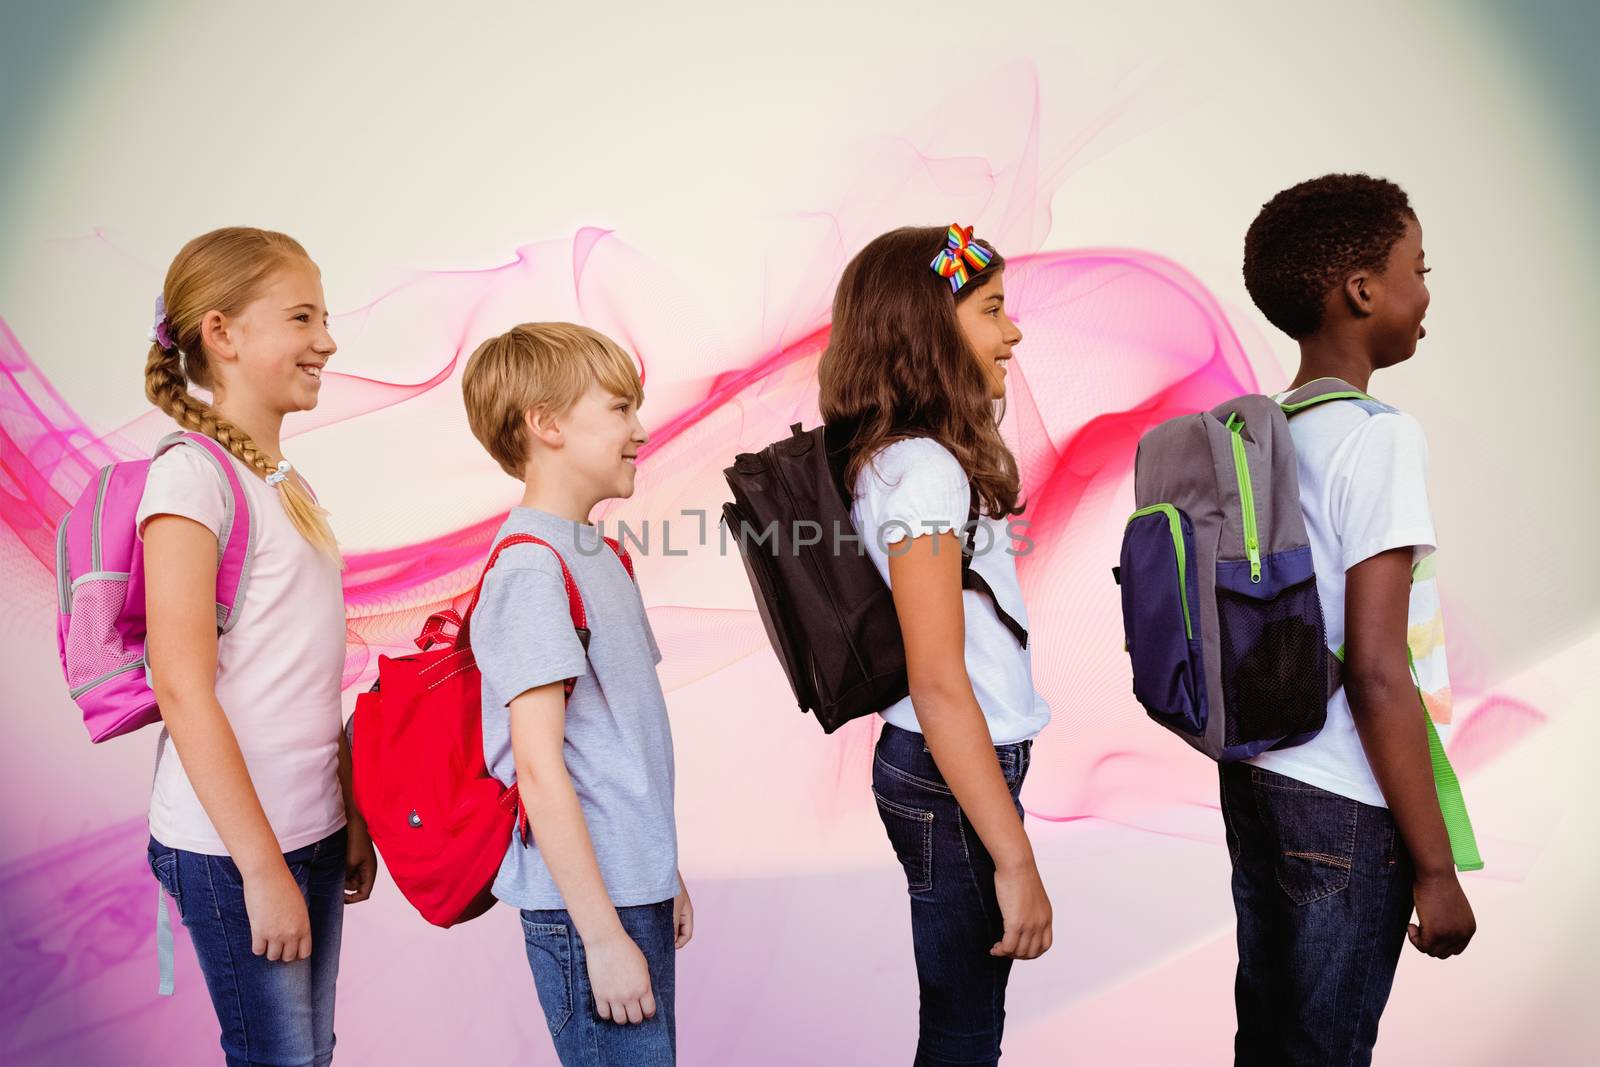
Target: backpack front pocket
1161, 617
1274, 660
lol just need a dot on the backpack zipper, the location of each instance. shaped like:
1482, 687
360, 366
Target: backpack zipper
1175, 524
74, 694
94, 528
1247, 496
63, 576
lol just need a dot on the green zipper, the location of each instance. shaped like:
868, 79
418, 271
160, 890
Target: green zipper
1175, 524
1247, 496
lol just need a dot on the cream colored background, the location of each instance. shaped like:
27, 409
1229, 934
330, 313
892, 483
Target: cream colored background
393, 137
396, 136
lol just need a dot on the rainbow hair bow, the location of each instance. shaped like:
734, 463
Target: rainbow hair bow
957, 255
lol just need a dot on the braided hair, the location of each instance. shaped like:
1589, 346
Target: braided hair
222, 270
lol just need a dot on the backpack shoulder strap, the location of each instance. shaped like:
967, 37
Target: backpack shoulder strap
971, 579
580, 620
622, 554
1458, 827
236, 540
1324, 390
511, 799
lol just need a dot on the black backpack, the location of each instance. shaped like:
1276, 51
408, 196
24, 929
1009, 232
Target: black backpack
828, 612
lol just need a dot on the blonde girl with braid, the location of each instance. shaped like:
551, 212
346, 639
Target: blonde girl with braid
253, 834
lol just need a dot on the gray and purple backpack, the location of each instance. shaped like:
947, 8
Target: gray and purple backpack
1219, 596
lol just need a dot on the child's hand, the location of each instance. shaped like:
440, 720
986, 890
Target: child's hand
280, 926
360, 864
620, 980
682, 916
1025, 907
1445, 922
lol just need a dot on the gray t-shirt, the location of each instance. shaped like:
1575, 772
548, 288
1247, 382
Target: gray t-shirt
618, 747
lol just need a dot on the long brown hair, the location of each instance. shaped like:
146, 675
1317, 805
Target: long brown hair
898, 365
223, 271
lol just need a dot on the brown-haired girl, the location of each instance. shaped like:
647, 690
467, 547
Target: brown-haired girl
915, 364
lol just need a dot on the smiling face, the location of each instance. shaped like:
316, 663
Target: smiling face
1401, 292
275, 348
600, 440
989, 331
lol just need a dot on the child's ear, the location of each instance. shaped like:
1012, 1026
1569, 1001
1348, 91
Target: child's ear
1358, 295
542, 427
216, 337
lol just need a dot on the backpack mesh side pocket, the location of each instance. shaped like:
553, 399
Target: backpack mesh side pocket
96, 647
1274, 656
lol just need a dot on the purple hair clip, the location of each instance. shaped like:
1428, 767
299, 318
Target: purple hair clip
161, 332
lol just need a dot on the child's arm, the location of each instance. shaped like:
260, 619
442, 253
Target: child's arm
682, 915
1388, 717
180, 604
925, 579
360, 860
618, 974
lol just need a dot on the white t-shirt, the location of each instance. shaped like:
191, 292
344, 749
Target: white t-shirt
916, 488
279, 668
1364, 490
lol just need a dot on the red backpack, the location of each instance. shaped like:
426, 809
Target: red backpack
436, 814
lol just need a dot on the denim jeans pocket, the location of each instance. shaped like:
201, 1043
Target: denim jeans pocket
164, 865
1229, 794
1313, 834
1013, 765
227, 872
904, 777
550, 955
911, 833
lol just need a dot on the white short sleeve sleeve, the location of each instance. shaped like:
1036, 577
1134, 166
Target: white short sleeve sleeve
917, 488
1380, 498
522, 635
183, 482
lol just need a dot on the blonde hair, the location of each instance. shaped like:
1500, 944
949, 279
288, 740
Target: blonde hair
538, 365
223, 271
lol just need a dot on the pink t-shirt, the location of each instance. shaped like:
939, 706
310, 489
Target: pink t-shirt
279, 668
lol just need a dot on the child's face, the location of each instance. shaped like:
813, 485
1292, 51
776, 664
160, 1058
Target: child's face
600, 439
989, 330
1397, 323
277, 345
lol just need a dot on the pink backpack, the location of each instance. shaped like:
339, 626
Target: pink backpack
100, 583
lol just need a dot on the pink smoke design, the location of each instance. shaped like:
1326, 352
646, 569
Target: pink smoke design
1117, 340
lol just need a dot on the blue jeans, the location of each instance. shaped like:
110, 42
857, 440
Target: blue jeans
271, 1012
955, 918
561, 976
1322, 888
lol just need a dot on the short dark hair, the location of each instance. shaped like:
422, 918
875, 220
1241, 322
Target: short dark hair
1311, 236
